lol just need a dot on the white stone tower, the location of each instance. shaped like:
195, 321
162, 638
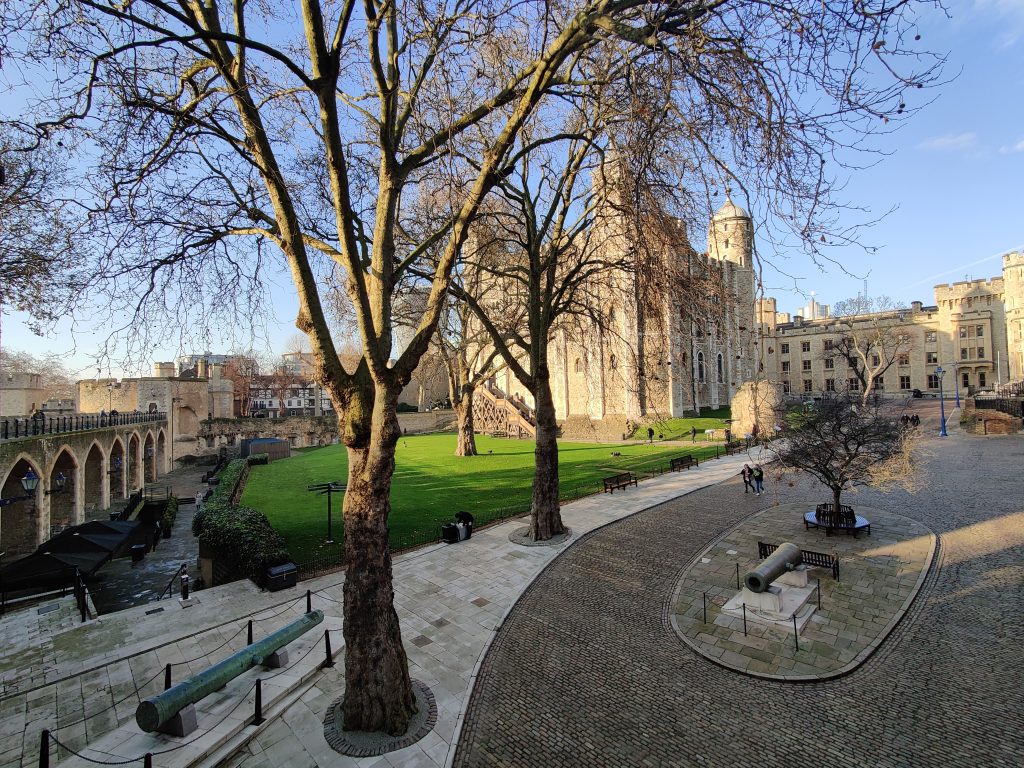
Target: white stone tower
731, 242
1013, 306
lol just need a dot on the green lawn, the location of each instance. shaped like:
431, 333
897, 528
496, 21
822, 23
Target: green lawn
679, 429
431, 484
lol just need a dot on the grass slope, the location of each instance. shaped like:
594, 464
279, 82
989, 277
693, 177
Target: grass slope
679, 428
431, 484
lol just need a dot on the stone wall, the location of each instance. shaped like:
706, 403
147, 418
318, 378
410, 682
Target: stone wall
612, 428
988, 422
756, 402
430, 421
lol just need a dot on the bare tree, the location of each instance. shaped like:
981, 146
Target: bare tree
243, 372
230, 141
874, 335
57, 381
845, 444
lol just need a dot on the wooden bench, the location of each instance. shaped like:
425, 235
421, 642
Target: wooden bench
735, 446
825, 516
682, 462
623, 481
816, 559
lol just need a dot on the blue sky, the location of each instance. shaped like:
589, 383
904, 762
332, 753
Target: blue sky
954, 174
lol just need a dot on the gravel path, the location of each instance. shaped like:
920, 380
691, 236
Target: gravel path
587, 672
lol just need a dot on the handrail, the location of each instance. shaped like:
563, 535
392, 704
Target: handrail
170, 584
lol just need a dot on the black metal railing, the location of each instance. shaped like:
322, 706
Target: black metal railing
19, 427
1008, 405
169, 589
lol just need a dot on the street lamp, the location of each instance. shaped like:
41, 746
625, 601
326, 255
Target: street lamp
58, 484
956, 383
29, 482
942, 403
328, 489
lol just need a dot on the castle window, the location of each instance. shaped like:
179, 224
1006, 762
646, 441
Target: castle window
700, 366
579, 365
727, 242
721, 374
613, 362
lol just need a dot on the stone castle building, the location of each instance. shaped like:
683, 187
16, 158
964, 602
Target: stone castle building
656, 361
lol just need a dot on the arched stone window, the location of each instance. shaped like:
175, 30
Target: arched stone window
727, 242
613, 362
700, 366
721, 374
579, 365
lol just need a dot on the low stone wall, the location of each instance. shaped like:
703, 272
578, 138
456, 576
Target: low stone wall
300, 431
988, 422
612, 428
428, 421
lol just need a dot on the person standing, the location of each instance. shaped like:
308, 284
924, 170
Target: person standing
199, 500
693, 434
748, 479
758, 479
650, 435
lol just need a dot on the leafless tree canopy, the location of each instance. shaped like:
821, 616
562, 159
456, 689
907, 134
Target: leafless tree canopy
845, 444
874, 336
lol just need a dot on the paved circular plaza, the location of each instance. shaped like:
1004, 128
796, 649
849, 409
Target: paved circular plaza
587, 670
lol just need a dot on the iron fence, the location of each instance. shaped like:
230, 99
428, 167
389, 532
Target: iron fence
1008, 405
19, 427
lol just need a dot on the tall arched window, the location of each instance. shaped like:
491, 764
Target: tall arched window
721, 374
700, 366
613, 362
579, 365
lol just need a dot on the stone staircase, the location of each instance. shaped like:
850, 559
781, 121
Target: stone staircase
498, 415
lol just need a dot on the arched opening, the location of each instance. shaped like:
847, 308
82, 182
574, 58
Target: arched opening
149, 459
161, 455
19, 516
700, 366
613, 362
94, 482
721, 370
116, 471
187, 422
579, 365
133, 463
64, 509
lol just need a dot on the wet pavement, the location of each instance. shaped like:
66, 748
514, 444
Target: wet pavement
123, 584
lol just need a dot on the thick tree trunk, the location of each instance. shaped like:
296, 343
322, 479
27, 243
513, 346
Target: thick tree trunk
378, 691
466, 445
836, 493
545, 515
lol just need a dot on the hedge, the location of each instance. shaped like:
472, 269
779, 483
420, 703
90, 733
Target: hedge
239, 537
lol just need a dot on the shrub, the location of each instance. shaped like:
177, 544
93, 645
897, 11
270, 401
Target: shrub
170, 512
240, 537
406, 408
259, 459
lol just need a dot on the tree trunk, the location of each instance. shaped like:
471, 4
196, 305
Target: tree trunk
466, 445
545, 515
836, 493
378, 691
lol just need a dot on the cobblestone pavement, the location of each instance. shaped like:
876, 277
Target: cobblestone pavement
586, 671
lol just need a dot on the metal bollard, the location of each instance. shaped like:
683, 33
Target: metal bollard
819, 594
258, 715
737, 575
744, 619
796, 639
184, 586
309, 601
705, 607
147, 761
44, 749
167, 677
329, 661
248, 637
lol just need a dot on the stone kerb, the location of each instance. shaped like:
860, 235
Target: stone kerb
879, 577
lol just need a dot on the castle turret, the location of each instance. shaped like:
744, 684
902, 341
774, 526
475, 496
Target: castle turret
731, 235
1013, 303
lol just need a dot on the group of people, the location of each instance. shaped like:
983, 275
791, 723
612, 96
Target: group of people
914, 420
753, 479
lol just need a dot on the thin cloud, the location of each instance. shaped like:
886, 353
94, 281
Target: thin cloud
1012, 149
1009, 14
959, 141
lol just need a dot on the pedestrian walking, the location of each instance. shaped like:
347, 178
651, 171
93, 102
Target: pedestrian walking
758, 479
693, 434
748, 479
199, 500
650, 435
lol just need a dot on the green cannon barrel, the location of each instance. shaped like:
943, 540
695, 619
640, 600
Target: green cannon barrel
154, 711
785, 558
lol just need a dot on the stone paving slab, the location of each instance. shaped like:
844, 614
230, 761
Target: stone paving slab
879, 575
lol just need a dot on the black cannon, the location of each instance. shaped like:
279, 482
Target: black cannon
781, 561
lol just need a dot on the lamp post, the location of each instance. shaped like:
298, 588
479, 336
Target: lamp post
328, 489
942, 403
956, 383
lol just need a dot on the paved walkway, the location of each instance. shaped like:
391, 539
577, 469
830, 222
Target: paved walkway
86, 680
586, 670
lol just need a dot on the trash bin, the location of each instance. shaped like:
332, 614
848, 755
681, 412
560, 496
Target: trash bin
282, 576
449, 533
138, 552
467, 520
